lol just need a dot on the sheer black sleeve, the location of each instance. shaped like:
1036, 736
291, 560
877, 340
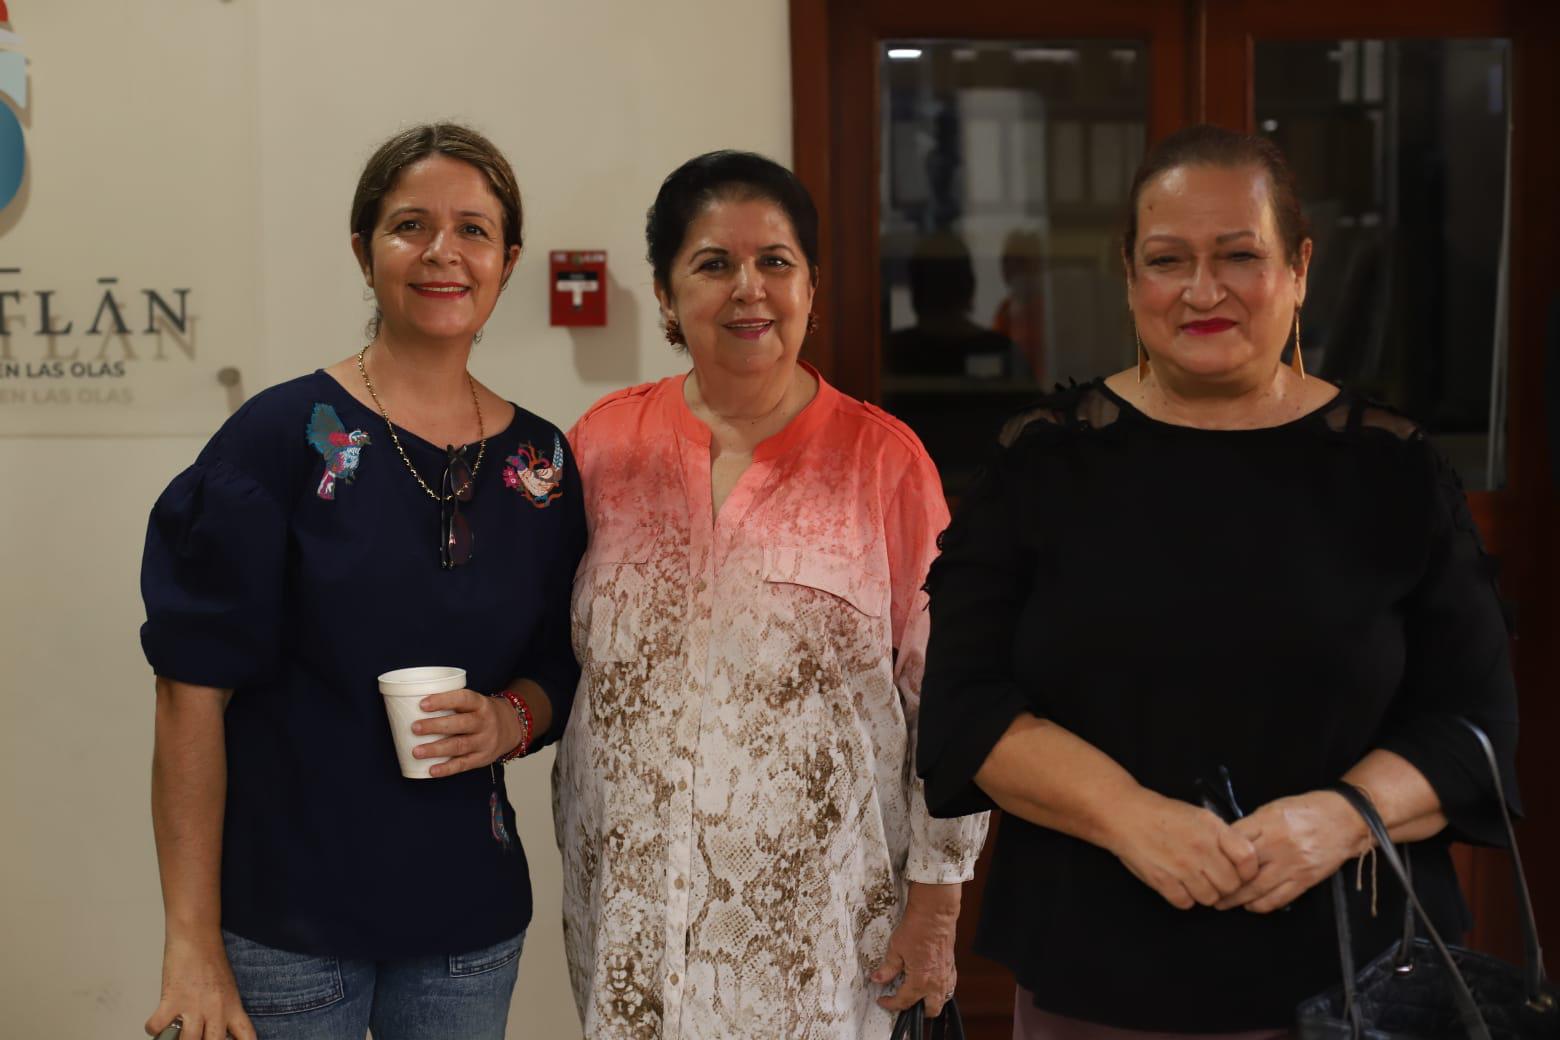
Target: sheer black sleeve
978, 587
1458, 664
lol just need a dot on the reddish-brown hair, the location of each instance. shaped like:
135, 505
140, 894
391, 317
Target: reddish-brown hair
1208, 145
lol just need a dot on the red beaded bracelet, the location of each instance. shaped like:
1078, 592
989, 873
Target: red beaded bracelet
523, 713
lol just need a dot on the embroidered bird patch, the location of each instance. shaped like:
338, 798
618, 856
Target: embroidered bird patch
340, 448
534, 475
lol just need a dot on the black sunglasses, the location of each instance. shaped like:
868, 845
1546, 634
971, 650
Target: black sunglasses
454, 488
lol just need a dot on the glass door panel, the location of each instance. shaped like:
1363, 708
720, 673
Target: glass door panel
1004, 166
1401, 151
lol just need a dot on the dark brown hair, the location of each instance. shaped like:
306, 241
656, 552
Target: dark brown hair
1207, 145
417, 143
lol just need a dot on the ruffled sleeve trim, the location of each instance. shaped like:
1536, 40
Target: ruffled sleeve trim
211, 577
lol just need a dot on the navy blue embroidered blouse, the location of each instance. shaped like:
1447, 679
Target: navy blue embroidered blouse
295, 562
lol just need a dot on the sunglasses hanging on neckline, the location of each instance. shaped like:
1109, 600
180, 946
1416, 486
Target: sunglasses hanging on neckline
455, 487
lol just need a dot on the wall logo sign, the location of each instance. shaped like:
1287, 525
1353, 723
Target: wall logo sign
13, 99
50, 354
89, 348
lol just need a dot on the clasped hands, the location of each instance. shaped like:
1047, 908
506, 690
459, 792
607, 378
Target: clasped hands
1262, 862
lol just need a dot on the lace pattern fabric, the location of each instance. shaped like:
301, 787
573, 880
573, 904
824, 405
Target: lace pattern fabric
734, 797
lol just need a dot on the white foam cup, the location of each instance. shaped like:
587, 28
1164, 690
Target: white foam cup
403, 689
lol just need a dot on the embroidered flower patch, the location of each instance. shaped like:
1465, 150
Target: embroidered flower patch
534, 475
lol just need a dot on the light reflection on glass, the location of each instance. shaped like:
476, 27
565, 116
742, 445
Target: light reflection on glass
1005, 168
1401, 150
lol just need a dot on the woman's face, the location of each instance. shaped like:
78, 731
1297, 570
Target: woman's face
740, 288
1211, 291
436, 259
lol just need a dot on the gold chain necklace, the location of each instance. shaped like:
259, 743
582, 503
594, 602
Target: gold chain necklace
481, 448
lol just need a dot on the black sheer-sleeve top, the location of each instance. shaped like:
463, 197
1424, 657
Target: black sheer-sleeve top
1277, 601
293, 563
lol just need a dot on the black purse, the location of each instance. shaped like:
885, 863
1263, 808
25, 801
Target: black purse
912, 1022
1422, 988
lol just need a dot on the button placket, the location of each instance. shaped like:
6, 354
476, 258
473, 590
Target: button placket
696, 690
680, 850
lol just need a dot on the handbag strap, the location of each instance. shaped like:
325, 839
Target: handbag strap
1404, 950
1533, 954
911, 1023
948, 1025
1351, 1002
1467, 1010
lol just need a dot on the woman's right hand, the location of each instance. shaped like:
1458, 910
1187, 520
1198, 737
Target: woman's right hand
1185, 853
198, 985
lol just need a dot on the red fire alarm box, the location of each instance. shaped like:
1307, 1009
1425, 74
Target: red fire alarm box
579, 286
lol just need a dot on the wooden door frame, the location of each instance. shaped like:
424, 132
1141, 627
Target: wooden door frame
834, 54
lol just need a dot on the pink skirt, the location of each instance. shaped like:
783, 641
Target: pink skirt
1031, 1023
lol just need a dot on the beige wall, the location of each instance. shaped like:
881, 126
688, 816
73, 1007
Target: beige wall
594, 103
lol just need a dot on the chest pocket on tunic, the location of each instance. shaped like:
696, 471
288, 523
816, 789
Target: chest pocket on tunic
612, 592
827, 650
842, 578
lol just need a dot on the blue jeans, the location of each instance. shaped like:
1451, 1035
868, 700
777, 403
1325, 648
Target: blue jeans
297, 996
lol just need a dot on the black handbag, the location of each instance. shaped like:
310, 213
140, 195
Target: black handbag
1421, 987
912, 1022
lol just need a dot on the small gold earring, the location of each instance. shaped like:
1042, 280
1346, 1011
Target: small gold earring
1296, 360
812, 323
674, 334
1142, 356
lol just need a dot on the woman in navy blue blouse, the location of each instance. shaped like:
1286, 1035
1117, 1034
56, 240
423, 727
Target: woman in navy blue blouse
332, 531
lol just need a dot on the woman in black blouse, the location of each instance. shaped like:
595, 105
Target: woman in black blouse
388, 512
1211, 563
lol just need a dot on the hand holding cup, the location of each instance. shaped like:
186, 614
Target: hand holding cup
468, 731
405, 690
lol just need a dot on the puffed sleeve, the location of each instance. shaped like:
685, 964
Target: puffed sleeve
978, 587
550, 655
942, 851
212, 576
1458, 664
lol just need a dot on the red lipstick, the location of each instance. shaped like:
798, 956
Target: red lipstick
1208, 326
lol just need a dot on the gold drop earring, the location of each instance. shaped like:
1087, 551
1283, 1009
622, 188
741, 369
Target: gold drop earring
1142, 354
1296, 361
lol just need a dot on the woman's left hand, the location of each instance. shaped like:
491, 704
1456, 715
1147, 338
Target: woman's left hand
481, 731
921, 949
1300, 841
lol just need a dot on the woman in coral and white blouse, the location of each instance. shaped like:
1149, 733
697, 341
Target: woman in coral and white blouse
747, 851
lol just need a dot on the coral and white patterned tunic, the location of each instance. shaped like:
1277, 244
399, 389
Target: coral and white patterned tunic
735, 797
